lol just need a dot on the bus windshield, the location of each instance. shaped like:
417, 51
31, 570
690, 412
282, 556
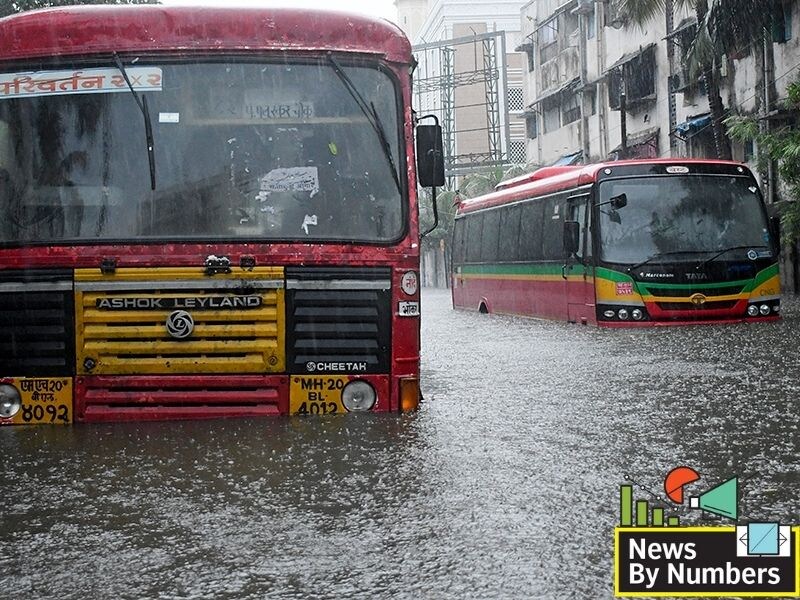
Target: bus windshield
242, 150
687, 218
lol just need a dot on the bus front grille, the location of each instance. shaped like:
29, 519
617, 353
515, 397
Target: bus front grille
131, 326
174, 397
708, 305
36, 327
338, 320
709, 292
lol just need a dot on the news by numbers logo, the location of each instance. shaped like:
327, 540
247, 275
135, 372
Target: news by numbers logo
656, 555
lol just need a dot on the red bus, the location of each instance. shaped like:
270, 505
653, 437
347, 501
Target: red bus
629, 243
208, 212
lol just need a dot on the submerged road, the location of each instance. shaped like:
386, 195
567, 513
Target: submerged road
504, 485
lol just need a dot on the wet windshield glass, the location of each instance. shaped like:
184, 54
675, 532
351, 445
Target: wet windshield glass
696, 215
242, 151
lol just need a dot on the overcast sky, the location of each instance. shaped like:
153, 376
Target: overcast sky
378, 8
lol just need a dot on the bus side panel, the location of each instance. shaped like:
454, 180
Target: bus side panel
536, 290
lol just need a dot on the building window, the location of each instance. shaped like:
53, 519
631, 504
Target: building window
548, 40
570, 109
590, 100
638, 74
515, 100
683, 81
532, 126
550, 117
591, 25
516, 152
781, 21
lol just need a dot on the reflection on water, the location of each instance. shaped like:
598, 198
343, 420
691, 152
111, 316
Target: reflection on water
503, 485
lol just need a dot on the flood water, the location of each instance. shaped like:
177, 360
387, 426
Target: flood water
504, 485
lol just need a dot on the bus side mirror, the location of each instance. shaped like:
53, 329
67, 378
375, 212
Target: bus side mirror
430, 156
572, 237
620, 201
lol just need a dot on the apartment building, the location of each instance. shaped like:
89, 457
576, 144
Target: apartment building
582, 54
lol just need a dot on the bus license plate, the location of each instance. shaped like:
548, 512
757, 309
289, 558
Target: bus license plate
44, 400
317, 395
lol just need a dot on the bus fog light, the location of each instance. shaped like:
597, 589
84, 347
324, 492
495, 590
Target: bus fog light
10, 401
776, 308
752, 310
622, 313
358, 396
409, 283
764, 309
637, 314
609, 314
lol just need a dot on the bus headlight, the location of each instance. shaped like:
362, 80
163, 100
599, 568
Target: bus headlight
10, 401
637, 314
764, 309
358, 396
622, 313
752, 310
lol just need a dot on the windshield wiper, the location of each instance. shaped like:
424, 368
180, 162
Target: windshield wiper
141, 101
661, 255
372, 116
725, 251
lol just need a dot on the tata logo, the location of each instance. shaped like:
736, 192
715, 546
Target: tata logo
697, 276
698, 299
180, 324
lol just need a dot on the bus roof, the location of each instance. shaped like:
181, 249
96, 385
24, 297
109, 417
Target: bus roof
80, 30
549, 180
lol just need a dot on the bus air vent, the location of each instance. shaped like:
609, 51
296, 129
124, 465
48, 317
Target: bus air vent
36, 326
338, 319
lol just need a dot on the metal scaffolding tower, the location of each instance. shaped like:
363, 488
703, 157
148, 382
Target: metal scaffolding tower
463, 82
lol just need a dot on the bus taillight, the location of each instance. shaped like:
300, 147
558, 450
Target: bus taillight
409, 394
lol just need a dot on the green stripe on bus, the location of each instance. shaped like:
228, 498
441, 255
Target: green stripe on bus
762, 276
520, 269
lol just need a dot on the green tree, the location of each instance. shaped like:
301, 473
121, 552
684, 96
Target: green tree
10, 7
724, 28
782, 146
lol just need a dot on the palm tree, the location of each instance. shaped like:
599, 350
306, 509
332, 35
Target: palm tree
724, 27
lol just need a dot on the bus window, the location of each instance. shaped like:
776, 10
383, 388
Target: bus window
491, 233
509, 233
271, 151
577, 212
458, 242
473, 239
553, 228
530, 232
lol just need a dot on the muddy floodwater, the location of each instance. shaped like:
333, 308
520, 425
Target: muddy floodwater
504, 485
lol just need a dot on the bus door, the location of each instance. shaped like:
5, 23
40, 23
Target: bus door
578, 272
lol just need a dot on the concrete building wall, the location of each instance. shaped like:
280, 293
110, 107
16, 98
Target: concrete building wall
471, 117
